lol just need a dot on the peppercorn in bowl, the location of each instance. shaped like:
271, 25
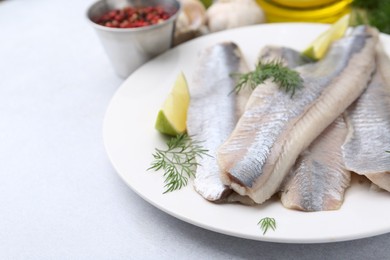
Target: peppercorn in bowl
133, 32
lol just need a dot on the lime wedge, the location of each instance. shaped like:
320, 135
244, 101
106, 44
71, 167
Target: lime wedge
171, 118
318, 48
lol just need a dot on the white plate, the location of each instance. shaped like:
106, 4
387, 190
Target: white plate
130, 139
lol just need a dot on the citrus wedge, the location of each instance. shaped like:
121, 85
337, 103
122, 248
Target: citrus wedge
318, 48
171, 118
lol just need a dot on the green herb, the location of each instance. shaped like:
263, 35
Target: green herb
367, 4
178, 161
387, 151
287, 79
266, 223
373, 12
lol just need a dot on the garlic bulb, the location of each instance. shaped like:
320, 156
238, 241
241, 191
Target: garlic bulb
226, 14
191, 22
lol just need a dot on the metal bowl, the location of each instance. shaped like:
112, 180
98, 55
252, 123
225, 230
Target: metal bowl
129, 48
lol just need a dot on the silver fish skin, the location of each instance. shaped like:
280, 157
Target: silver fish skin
318, 180
369, 122
212, 112
276, 127
287, 56
207, 181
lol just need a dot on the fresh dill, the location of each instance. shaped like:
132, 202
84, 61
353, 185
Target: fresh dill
373, 12
287, 79
178, 161
267, 223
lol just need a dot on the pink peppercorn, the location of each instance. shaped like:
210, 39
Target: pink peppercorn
132, 17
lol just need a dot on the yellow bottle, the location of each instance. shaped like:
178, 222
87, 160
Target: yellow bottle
322, 11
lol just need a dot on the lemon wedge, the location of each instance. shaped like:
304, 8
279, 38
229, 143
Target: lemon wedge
318, 48
171, 118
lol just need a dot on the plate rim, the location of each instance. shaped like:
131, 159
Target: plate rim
202, 225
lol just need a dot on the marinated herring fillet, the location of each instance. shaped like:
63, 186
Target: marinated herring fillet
368, 120
319, 179
287, 56
212, 112
275, 127
207, 182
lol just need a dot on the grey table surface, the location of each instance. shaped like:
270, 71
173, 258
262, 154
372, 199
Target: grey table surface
60, 198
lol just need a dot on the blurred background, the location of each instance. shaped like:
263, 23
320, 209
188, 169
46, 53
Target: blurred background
200, 17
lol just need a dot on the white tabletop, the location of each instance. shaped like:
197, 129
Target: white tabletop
60, 198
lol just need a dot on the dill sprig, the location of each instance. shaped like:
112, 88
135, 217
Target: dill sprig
373, 12
266, 223
178, 161
289, 80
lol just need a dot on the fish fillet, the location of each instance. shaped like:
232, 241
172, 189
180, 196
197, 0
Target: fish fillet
212, 112
289, 57
369, 122
220, 123
276, 128
319, 179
